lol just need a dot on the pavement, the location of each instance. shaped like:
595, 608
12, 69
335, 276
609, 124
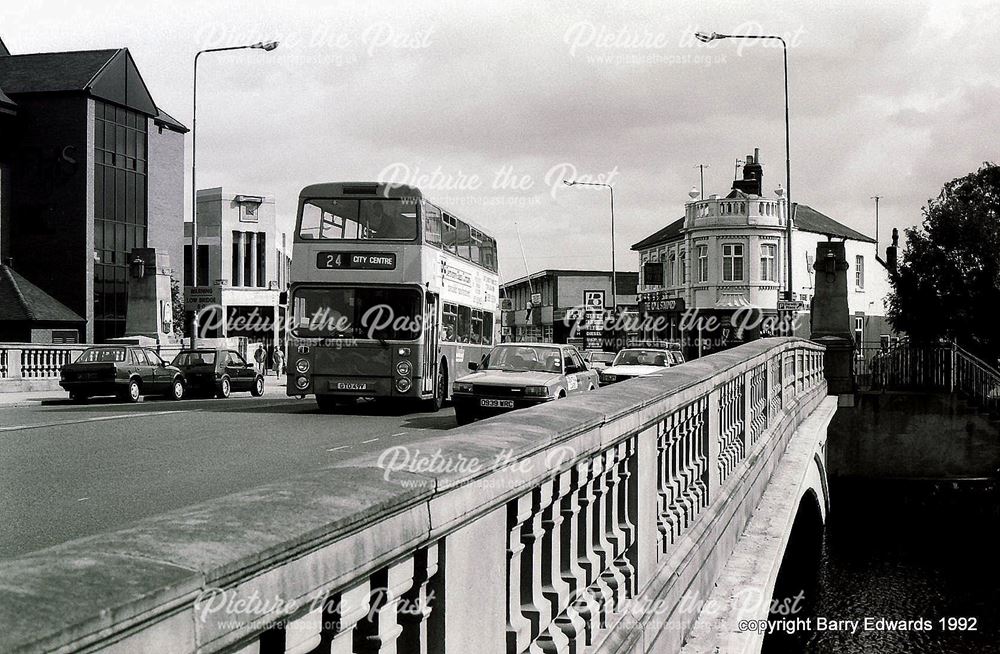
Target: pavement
69, 470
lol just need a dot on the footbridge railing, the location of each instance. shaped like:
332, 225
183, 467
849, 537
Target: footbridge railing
580, 526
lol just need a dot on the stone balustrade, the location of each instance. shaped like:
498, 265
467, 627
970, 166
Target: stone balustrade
580, 526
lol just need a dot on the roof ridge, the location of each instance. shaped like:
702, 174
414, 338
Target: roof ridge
17, 291
61, 52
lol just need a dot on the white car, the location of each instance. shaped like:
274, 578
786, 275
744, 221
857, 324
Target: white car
639, 362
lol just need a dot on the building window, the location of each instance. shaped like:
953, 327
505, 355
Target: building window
237, 279
261, 259
768, 257
683, 267
672, 271
732, 262
703, 264
859, 271
652, 273
119, 210
859, 330
248, 259
189, 279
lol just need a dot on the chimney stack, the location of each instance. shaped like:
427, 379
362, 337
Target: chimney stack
891, 252
753, 175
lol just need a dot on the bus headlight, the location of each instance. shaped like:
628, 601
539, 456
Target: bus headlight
302, 366
403, 384
404, 368
403, 351
461, 387
302, 383
536, 391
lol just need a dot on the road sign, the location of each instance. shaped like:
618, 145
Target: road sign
536, 299
197, 298
790, 305
593, 301
506, 304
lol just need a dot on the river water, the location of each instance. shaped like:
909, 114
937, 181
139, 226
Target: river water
901, 551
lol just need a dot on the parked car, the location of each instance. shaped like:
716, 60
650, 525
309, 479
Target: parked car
641, 362
598, 360
127, 371
517, 375
218, 372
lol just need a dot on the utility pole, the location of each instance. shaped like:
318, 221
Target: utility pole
701, 168
876, 198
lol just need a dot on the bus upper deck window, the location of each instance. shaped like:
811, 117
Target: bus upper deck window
432, 225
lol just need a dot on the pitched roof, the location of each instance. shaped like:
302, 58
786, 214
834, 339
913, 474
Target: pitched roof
669, 232
20, 300
52, 71
809, 220
168, 121
6, 102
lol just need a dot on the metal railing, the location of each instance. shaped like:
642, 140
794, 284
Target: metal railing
944, 366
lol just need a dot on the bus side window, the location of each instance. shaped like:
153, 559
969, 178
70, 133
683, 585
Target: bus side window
475, 248
464, 324
464, 240
488, 254
477, 327
487, 328
450, 235
449, 322
432, 225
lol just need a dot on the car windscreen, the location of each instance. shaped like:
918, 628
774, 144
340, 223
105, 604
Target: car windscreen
349, 219
642, 358
194, 359
523, 358
364, 313
103, 355
602, 357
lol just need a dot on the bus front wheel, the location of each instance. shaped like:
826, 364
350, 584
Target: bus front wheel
327, 403
440, 389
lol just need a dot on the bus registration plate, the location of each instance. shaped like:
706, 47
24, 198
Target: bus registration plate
496, 404
356, 260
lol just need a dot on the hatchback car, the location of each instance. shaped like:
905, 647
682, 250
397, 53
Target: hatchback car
517, 375
123, 370
598, 360
640, 362
219, 372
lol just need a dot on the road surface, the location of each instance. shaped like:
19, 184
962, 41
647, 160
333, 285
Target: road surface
68, 470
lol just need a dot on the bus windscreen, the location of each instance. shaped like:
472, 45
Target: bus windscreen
358, 219
361, 313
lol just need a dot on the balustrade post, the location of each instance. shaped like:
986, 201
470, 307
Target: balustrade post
714, 434
352, 606
416, 604
518, 626
378, 634
584, 605
589, 543
303, 634
646, 498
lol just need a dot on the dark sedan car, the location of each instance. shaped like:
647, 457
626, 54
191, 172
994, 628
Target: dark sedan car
127, 371
219, 372
517, 375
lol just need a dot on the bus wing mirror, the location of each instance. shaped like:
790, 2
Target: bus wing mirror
283, 297
473, 365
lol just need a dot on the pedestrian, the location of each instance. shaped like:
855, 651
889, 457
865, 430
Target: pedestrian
279, 362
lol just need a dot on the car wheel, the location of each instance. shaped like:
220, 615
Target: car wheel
592, 388
435, 403
176, 390
561, 395
258, 387
132, 392
224, 389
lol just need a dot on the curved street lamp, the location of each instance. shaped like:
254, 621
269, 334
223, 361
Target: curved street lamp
266, 46
714, 36
614, 275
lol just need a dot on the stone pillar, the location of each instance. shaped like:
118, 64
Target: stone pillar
252, 281
149, 311
238, 266
831, 317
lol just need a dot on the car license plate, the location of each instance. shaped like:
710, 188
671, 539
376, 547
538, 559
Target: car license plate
496, 404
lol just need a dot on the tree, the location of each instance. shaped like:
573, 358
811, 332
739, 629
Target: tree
948, 280
177, 307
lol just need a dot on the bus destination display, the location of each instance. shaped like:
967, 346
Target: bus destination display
356, 260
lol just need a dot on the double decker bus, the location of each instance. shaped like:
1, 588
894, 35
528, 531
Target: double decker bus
390, 295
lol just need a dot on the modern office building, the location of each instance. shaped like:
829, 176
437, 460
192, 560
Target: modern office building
723, 265
243, 264
561, 297
90, 168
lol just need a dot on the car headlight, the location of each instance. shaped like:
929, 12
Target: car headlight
302, 365
536, 391
404, 368
302, 383
403, 384
610, 379
461, 387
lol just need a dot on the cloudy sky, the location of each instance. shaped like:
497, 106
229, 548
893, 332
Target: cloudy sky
489, 105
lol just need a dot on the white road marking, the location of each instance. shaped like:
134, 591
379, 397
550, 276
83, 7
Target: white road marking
402, 433
334, 449
83, 499
143, 414
370, 440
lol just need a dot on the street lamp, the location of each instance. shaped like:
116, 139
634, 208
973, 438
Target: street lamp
614, 275
706, 38
266, 46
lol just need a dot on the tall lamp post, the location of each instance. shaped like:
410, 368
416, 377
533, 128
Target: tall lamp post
266, 46
614, 275
706, 38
